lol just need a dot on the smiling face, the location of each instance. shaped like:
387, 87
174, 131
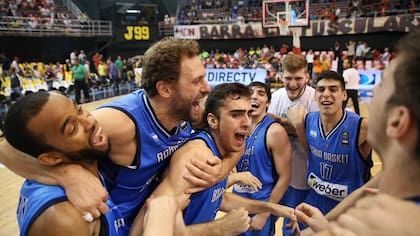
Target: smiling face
190, 90
69, 129
330, 96
259, 102
295, 83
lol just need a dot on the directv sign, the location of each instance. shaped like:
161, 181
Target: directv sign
244, 76
368, 80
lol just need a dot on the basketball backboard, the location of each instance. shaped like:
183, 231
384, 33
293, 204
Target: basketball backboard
293, 13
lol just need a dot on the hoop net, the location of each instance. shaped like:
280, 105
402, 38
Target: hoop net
283, 27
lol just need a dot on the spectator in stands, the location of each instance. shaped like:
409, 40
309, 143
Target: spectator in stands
68, 67
119, 65
284, 49
338, 53
103, 72
386, 57
15, 64
73, 57
35, 72
351, 49
15, 83
82, 57
80, 81
113, 75
360, 50
5, 63
326, 65
352, 80
49, 76
310, 60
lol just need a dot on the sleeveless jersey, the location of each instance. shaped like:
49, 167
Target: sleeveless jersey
336, 167
415, 199
35, 198
129, 186
298, 189
205, 204
280, 104
259, 162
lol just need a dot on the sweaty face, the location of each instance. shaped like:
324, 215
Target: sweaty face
330, 97
295, 83
190, 90
377, 107
233, 125
259, 101
69, 129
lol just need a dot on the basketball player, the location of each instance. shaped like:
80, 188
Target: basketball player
145, 128
295, 92
227, 112
35, 126
394, 128
339, 154
267, 156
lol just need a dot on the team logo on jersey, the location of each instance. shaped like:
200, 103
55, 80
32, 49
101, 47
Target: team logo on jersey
345, 138
243, 188
312, 133
217, 193
334, 191
23, 203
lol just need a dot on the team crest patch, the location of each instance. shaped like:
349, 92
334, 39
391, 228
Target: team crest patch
312, 133
345, 138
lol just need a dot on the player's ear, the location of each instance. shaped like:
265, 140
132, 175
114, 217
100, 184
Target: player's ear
50, 158
212, 120
164, 88
399, 121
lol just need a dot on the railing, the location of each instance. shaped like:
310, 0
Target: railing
70, 6
19, 26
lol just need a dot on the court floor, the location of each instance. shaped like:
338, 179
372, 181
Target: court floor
10, 185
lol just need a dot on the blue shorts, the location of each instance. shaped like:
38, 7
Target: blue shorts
291, 198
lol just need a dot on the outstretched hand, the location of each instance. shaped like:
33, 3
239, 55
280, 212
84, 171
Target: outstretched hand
247, 178
311, 216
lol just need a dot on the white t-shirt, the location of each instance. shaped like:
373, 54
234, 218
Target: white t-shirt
310, 58
352, 78
280, 103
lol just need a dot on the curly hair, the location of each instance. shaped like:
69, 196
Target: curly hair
162, 62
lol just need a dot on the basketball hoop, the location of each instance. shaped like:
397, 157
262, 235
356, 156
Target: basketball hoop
283, 27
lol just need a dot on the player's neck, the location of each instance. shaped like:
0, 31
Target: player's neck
256, 120
330, 121
91, 166
400, 173
163, 113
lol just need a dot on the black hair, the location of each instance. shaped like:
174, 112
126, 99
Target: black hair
218, 96
333, 76
406, 78
261, 85
16, 124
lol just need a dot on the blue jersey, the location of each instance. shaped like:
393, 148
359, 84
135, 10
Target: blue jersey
35, 198
415, 199
205, 204
336, 167
129, 186
260, 163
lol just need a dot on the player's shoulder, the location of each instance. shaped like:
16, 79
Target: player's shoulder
60, 217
